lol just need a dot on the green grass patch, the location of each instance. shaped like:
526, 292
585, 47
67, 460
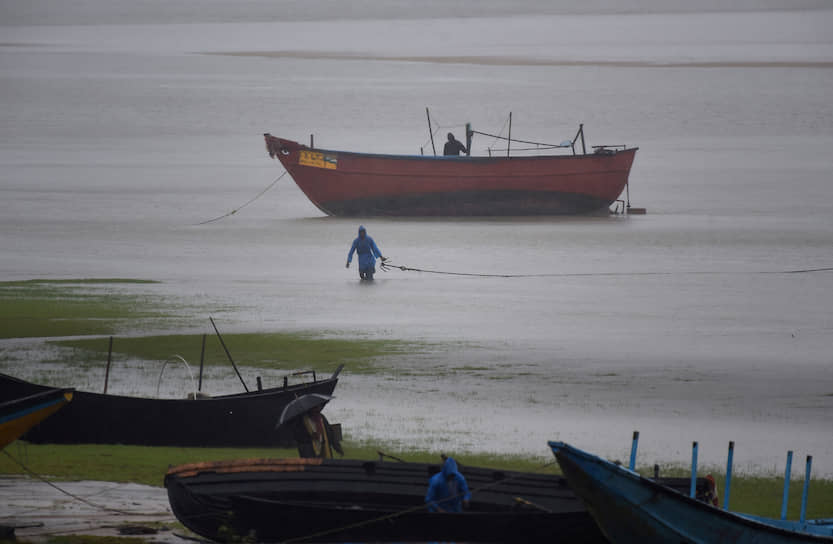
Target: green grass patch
259, 350
45, 308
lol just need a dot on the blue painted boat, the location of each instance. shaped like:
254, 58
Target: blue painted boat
629, 508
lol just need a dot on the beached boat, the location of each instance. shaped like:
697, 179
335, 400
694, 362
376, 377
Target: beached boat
631, 509
238, 420
342, 183
20, 414
352, 500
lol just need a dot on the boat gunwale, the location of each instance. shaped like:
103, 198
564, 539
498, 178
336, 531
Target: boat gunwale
243, 395
457, 158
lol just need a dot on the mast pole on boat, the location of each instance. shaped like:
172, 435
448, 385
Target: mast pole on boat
632, 463
509, 139
803, 515
469, 134
581, 131
786, 498
202, 363
107, 371
728, 486
693, 487
228, 354
430, 131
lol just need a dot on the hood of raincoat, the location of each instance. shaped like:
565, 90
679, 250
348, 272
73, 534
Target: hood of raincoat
449, 467
362, 230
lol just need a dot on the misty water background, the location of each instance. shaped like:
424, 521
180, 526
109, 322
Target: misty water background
126, 123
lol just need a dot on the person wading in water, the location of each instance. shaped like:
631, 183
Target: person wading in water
367, 251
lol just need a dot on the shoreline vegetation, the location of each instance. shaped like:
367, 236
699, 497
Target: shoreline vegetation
47, 311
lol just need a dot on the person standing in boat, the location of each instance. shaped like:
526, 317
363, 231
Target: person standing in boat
367, 251
453, 147
447, 490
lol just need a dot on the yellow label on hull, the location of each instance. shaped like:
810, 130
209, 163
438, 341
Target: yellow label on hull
318, 160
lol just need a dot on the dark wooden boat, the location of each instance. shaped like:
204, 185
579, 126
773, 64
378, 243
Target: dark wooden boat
20, 414
345, 183
352, 500
238, 420
631, 509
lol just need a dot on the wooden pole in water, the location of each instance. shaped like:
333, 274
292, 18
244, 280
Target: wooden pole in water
109, 358
509, 139
786, 498
202, 362
430, 131
632, 464
311, 141
728, 475
692, 492
227, 353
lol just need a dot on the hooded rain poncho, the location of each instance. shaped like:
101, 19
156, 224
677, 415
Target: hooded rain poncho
447, 494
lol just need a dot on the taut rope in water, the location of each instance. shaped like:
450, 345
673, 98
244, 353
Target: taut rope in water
234, 211
387, 266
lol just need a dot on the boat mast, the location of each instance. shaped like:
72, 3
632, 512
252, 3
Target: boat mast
431, 132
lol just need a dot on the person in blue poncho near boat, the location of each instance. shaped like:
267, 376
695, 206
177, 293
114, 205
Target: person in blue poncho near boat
367, 250
447, 490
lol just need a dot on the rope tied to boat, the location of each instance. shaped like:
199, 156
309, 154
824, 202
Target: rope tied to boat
73, 495
237, 209
387, 266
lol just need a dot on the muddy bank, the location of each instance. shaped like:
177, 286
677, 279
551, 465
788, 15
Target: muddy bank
39, 511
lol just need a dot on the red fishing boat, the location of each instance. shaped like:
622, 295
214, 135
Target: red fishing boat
342, 183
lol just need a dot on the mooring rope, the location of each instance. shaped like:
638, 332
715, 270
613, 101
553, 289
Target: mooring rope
234, 211
416, 508
73, 495
387, 266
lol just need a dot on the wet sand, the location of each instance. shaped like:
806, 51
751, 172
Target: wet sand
39, 511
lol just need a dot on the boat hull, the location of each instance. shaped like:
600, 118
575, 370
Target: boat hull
278, 499
631, 509
19, 415
357, 184
241, 420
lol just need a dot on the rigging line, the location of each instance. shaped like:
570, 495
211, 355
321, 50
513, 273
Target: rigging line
234, 211
74, 496
411, 509
496, 137
387, 266
513, 139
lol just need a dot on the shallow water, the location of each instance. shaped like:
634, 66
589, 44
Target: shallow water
120, 135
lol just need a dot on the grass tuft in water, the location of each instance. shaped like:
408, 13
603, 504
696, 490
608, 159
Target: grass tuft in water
258, 350
48, 308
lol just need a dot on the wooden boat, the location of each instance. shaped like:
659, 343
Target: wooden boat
20, 414
629, 508
351, 500
239, 420
342, 183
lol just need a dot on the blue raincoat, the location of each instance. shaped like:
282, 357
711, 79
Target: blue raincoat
447, 494
366, 249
